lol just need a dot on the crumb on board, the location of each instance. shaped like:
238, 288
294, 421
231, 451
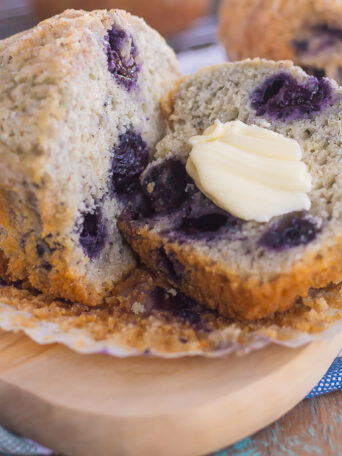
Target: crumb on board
129, 318
138, 308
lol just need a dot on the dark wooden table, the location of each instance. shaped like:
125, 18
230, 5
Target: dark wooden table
314, 427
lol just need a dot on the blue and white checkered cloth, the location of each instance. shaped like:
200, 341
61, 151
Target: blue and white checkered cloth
11, 445
332, 381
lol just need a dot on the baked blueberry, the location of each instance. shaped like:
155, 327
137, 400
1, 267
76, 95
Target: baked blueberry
327, 34
130, 157
92, 233
319, 73
121, 54
301, 46
183, 308
167, 190
289, 232
281, 97
201, 219
169, 265
164, 186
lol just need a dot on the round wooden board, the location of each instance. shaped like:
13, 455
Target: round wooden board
99, 405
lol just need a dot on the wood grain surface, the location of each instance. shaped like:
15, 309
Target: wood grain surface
87, 405
314, 427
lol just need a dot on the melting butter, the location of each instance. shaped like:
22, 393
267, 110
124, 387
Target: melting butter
249, 171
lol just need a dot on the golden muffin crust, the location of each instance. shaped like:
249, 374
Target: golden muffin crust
309, 32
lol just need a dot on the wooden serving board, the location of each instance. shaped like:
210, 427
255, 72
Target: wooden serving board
98, 405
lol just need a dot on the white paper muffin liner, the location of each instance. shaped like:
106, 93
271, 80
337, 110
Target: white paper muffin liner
131, 323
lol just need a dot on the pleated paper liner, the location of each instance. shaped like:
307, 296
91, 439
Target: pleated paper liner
145, 317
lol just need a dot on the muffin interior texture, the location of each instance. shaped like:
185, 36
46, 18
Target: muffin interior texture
80, 107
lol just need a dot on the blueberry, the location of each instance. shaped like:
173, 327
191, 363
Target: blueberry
121, 53
206, 224
46, 265
130, 157
301, 46
202, 219
289, 232
281, 97
137, 206
92, 233
319, 73
325, 30
168, 190
40, 250
180, 306
43, 247
164, 186
169, 265
3, 283
16, 284
321, 37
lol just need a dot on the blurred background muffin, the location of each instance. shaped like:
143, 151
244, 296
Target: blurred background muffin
167, 16
309, 32
190, 26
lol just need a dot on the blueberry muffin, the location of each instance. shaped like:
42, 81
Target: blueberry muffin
305, 31
80, 115
245, 269
167, 16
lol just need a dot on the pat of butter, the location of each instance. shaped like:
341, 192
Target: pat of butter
249, 171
